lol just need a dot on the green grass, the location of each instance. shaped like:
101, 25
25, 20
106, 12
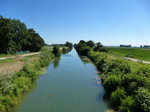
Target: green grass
6, 55
138, 53
7, 61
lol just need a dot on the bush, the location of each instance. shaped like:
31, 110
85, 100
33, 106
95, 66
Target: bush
56, 51
64, 50
131, 82
111, 83
84, 50
118, 66
128, 104
143, 71
116, 98
143, 100
100, 49
21, 84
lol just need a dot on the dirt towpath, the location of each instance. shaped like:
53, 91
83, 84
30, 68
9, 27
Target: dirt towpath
29, 54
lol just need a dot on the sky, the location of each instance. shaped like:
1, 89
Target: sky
111, 22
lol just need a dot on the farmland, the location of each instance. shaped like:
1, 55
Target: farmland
138, 53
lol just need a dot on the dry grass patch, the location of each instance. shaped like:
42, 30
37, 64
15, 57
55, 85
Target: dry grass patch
11, 67
17, 63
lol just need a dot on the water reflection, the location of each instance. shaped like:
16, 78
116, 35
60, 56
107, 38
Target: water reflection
56, 62
85, 59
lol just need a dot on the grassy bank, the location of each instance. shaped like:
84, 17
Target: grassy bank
138, 53
14, 84
127, 84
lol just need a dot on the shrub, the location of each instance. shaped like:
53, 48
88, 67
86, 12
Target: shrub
100, 49
143, 100
56, 51
147, 83
143, 71
116, 98
111, 83
21, 84
64, 50
128, 104
118, 66
132, 81
84, 50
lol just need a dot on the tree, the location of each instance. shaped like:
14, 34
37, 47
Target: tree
84, 50
14, 36
90, 43
11, 33
69, 44
99, 47
33, 41
56, 51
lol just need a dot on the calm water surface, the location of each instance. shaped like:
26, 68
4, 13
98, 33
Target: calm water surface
70, 85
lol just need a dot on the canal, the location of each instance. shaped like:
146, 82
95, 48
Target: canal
69, 85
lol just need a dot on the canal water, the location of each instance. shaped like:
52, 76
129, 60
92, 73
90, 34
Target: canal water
70, 85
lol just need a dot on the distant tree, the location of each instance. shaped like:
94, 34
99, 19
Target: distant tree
82, 42
56, 51
99, 44
69, 44
90, 43
84, 50
99, 47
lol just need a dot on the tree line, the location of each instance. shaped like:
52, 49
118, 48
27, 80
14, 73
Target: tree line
66, 48
15, 37
84, 47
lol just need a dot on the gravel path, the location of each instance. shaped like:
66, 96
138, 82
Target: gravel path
136, 60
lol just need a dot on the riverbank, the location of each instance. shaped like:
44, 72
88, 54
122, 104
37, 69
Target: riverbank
15, 83
126, 83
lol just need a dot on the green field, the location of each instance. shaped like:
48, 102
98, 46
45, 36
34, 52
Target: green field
138, 53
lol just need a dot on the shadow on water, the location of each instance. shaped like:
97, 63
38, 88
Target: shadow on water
85, 60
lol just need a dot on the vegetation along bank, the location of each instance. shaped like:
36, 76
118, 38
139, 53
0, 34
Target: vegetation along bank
15, 84
16, 80
127, 84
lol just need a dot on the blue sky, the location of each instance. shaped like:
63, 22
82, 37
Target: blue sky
111, 22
